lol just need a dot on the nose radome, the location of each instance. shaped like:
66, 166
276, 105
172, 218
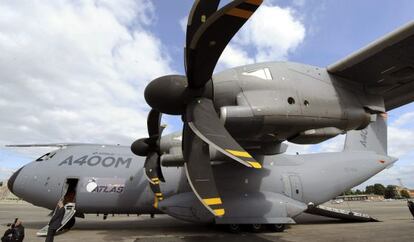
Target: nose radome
11, 180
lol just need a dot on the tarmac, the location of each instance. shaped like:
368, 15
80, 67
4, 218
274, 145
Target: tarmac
397, 225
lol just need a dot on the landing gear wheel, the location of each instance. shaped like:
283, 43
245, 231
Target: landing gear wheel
255, 228
277, 227
234, 228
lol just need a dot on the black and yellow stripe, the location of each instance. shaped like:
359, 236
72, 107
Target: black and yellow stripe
238, 12
245, 10
244, 154
155, 204
159, 195
219, 212
155, 180
212, 201
215, 205
254, 2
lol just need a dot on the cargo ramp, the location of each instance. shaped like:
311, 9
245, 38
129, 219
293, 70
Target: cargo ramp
342, 214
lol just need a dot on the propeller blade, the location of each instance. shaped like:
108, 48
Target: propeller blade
157, 192
199, 172
204, 122
154, 132
154, 123
212, 37
199, 14
153, 171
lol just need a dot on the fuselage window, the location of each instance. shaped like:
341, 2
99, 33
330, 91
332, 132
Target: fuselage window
263, 73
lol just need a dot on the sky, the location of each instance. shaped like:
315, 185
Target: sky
75, 71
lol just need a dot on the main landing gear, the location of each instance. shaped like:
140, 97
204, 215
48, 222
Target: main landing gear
256, 228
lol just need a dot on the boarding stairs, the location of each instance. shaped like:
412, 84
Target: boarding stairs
69, 214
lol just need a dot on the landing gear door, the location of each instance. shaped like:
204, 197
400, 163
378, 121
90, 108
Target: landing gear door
296, 187
292, 186
286, 183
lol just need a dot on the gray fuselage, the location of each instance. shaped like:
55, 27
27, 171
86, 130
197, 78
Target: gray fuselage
307, 178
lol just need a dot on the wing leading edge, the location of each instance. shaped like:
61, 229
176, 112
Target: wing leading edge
385, 67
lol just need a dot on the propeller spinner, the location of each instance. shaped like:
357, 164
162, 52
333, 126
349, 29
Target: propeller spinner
208, 33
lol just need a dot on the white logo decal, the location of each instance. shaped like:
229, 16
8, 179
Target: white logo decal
91, 185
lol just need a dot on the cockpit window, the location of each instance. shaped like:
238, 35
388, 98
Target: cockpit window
263, 73
46, 156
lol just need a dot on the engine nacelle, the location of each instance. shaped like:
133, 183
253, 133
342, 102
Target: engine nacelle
314, 136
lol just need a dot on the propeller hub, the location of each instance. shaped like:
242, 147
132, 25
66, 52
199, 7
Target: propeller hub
168, 94
140, 147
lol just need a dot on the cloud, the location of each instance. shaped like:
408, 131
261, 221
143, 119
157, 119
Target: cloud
183, 23
5, 173
270, 35
234, 55
404, 119
75, 71
400, 133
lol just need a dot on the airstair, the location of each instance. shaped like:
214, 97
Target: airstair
343, 214
67, 219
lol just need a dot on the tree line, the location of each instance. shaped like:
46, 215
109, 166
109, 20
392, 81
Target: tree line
389, 191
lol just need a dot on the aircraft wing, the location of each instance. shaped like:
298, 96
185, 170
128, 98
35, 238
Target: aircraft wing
385, 67
60, 145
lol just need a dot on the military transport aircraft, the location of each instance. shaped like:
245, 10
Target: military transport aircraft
228, 165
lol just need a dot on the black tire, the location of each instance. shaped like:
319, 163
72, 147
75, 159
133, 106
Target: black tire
278, 228
234, 228
255, 228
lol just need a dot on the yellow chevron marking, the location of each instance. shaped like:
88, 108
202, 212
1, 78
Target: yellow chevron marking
219, 212
239, 153
155, 202
255, 164
156, 182
254, 2
241, 13
212, 201
155, 179
158, 194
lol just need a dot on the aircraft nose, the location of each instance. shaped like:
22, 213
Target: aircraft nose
11, 180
